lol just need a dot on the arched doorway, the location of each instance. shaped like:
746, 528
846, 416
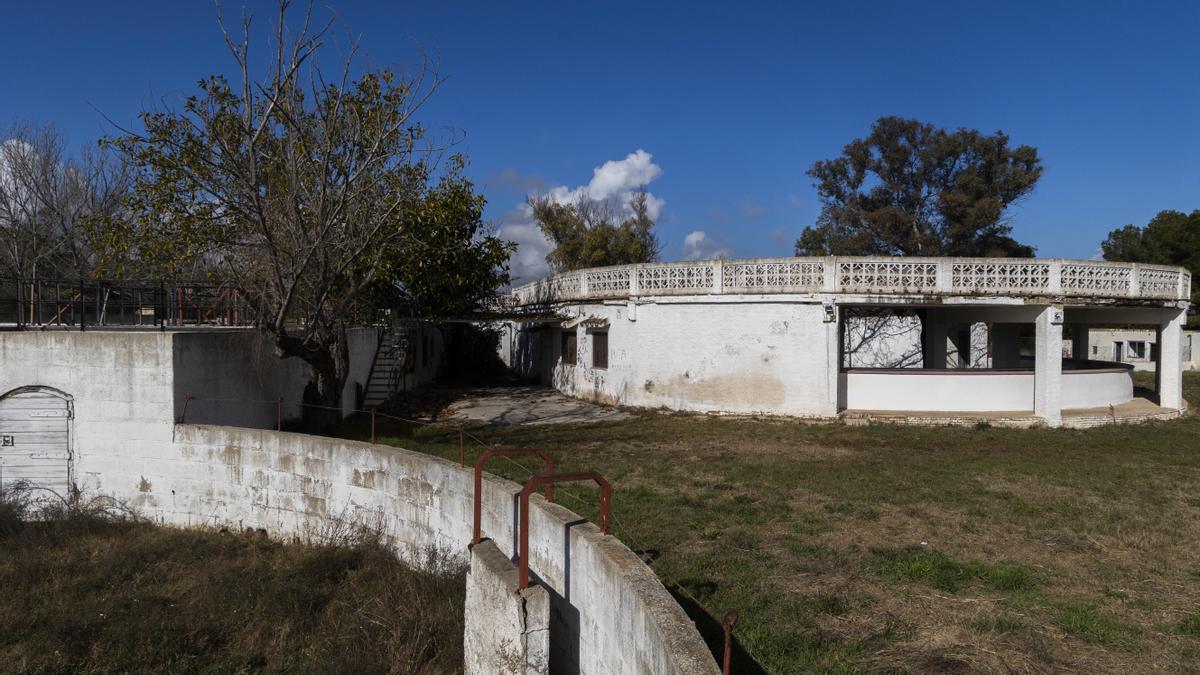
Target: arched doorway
35, 439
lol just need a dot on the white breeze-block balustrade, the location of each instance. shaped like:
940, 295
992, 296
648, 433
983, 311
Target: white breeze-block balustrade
1031, 277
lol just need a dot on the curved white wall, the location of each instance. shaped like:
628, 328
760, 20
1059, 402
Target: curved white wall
939, 390
609, 613
979, 390
1097, 388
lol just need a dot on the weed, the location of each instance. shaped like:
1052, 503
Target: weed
1084, 621
1190, 624
919, 563
1000, 624
89, 587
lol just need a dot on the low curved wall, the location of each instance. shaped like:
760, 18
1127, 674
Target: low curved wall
1097, 387
609, 613
967, 390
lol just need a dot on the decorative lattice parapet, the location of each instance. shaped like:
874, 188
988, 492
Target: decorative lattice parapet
1011, 277
676, 278
890, 275
1108, 280
1000, 276
1160, 282
608, 282
773, 276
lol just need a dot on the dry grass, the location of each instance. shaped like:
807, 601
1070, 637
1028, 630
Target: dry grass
883, 548
95, 589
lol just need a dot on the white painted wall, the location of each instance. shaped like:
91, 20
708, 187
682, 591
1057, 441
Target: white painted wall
1101, 345
947, 390
609, 613
697, 354
979, 391
1096, 388
235, 378
121, 386
362, 343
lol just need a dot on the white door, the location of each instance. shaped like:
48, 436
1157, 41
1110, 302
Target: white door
35, 441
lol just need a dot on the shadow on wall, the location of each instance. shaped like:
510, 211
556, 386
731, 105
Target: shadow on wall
530, 345
470, 355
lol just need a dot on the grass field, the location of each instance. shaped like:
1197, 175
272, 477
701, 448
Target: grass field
100, 594
898, 548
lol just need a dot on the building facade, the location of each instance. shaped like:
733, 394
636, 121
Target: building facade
823, 337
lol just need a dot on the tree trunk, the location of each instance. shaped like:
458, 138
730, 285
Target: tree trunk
323, 395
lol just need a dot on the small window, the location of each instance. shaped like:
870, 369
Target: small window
599, 350
1137, 350
1095, 350
568, 348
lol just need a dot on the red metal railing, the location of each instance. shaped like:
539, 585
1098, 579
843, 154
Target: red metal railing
728, 621
548, 480
477, 532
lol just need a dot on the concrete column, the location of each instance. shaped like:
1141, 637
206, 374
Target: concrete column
1079, 342
833, 363
1047, 370
1168, 371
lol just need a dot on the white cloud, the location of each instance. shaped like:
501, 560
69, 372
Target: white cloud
614, 178
614, 182
698, 246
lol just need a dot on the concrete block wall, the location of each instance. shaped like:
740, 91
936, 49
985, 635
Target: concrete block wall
507, 629
608, 611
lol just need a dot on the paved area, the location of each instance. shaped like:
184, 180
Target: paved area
527, 405
1140, 409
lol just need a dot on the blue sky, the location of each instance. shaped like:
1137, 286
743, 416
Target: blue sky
731, 101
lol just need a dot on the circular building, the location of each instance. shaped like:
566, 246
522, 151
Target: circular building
926, 340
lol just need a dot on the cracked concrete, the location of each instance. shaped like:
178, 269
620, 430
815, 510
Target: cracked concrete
528, 405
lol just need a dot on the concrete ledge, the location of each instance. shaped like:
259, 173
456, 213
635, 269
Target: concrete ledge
507, 630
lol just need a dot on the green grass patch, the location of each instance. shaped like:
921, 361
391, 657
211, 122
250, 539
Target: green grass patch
1000, 624
1190, 625
1085, 621
936, 569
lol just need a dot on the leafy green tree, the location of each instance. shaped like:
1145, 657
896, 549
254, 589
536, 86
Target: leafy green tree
586, 233
444, 261
306, 192
1170, 238
910, 188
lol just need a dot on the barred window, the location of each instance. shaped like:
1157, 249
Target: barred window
599, 350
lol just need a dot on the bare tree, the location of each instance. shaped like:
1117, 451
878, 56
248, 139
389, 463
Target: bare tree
875, 337
48, 197
293, 185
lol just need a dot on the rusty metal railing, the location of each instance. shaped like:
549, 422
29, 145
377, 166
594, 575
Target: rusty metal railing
477, 529
549, 480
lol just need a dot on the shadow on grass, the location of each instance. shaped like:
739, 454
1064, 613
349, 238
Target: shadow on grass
710, 629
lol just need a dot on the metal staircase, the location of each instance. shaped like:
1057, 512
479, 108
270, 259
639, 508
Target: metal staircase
387, 372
